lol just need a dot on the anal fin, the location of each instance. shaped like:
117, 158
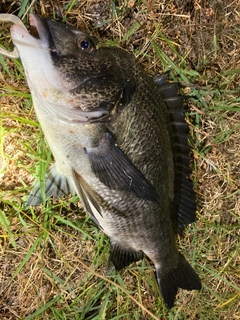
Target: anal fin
122, 257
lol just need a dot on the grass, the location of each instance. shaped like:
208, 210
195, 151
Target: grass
53, 258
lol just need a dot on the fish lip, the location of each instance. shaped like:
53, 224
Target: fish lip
38, 27
40, 30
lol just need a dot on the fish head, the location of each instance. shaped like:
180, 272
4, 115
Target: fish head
69, 75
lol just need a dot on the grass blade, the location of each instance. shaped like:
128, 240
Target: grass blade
4, 221
43, 308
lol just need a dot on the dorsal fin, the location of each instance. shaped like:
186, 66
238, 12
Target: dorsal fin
183, 206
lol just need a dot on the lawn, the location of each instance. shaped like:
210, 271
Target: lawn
53, 258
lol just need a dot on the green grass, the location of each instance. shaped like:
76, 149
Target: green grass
53, 258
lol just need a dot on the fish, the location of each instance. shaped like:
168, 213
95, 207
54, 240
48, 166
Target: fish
120, 141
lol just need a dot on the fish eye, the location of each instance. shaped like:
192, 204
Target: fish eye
85, 44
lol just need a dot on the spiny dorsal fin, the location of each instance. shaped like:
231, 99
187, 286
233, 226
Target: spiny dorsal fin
184, 198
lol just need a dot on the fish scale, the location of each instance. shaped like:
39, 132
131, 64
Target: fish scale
119, 140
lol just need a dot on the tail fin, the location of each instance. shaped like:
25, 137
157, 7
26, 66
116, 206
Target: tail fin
183, 276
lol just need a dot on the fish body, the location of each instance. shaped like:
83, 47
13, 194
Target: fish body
119, 140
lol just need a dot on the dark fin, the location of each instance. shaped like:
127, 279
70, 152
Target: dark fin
122, 257
117, 172
186, 201
183, 206
162, 78
88, 200
183, 276
56, 184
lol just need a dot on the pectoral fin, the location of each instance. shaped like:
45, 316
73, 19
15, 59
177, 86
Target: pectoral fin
56, 184
114, 169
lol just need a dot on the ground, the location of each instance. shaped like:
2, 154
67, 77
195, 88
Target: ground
53, 258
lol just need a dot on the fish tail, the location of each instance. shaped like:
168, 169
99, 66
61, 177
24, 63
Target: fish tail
183, 276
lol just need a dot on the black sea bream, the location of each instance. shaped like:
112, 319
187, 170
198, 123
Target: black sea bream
119, 139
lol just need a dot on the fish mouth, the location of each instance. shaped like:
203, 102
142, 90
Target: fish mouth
38, 27
38, 35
